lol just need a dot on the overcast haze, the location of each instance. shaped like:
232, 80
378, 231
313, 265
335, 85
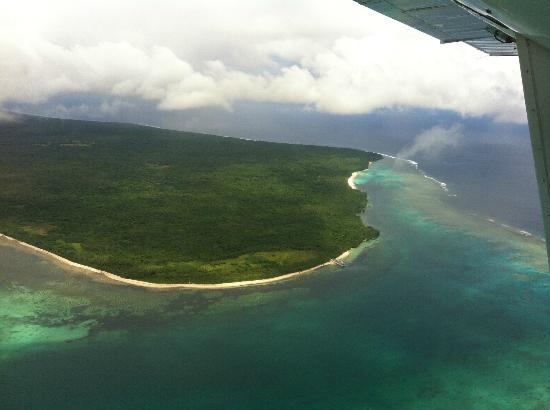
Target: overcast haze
331, 56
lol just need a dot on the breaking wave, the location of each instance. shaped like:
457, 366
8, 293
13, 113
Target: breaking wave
442, 184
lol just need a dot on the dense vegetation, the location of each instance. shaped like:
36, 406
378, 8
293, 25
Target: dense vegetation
167, 206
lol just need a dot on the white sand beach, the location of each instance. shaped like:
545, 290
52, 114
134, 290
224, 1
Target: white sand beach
112, 277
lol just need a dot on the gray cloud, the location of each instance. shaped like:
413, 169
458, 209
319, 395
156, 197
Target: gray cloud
7, 117
331, 56
430, 143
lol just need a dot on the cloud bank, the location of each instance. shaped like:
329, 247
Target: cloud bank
326, 55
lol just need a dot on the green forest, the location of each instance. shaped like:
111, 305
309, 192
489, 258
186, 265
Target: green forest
176, 207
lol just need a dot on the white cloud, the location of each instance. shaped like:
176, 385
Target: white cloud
330, 55
431, 142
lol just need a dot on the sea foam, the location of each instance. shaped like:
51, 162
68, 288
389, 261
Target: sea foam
442, 184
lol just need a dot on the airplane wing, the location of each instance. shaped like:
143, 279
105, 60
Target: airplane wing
449, 22
501, 28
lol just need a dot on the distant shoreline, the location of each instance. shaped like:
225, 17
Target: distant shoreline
134, 282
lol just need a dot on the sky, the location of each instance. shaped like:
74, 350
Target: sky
101, 58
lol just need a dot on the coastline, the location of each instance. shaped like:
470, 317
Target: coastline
150, 285
134, 282
351, 184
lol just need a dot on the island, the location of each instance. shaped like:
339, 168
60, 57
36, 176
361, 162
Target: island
164, 206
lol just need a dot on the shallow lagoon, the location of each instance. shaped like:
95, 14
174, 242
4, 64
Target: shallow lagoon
445, 310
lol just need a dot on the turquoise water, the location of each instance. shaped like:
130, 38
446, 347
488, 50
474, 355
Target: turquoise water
445, 310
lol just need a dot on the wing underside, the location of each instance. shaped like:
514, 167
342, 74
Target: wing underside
447, 21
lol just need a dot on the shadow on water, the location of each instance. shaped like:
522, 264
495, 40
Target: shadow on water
444, 311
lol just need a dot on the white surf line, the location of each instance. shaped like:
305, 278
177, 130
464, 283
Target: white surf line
509, 228
442, 184
410, 161
148, 125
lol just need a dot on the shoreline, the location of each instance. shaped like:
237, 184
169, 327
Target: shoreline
134, 282
150, 285
351, 184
